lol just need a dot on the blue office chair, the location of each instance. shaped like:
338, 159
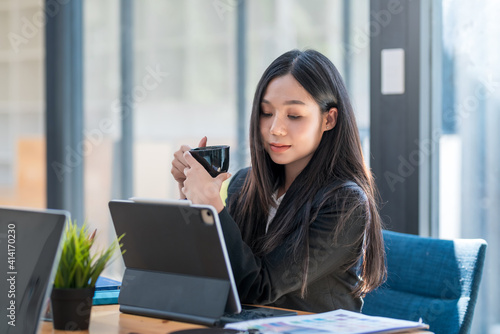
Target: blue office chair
430, 279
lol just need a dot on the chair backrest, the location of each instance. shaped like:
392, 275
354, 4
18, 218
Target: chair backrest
430, 279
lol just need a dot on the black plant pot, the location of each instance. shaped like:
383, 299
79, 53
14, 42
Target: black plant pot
71, 308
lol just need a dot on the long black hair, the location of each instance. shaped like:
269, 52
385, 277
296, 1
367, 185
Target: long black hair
338, 157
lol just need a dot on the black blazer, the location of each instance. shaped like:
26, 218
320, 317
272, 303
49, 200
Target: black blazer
273, 280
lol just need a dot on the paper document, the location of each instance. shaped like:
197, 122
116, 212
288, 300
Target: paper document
339, 321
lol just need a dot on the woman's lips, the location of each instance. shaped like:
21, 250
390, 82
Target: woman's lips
278, 148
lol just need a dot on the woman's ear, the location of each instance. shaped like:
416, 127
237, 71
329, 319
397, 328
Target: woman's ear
330, 119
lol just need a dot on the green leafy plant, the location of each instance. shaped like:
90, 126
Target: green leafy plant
78, 268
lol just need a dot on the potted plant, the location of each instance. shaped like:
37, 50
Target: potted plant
76, 276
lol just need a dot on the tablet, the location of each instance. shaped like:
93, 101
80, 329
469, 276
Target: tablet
177, 266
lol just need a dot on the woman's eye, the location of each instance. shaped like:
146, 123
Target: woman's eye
293, 116
266, 114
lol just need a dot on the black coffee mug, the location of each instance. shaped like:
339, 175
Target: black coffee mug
215, 159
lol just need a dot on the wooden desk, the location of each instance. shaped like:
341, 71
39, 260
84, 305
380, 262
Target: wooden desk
108, 319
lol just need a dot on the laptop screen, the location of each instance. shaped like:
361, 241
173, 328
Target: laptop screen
29, 243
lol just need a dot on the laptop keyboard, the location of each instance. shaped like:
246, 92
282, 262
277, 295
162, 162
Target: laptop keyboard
245, 315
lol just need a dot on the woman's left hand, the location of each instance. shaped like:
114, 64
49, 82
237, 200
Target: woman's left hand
200, 187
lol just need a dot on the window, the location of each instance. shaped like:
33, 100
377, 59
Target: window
22, 103
470, 144
102, 127
193, 53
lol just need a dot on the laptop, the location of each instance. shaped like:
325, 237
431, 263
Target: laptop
177, 265
29, 244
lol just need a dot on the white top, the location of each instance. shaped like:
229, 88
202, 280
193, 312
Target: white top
274, 208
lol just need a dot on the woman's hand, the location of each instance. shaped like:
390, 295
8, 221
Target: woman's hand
179, 164
199, 186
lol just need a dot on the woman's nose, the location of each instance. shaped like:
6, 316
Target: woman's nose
278, 127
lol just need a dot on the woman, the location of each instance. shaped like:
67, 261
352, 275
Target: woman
301, 226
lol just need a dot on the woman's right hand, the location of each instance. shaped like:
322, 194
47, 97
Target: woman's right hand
179, 164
